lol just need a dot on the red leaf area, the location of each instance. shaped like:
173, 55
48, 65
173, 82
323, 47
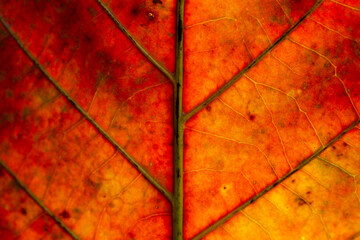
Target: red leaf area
94, 102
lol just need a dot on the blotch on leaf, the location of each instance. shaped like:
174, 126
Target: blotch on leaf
65, 214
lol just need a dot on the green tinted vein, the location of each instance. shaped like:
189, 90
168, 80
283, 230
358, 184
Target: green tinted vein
38, 201
178, 207
136, 43
270, 187
234, 79
141, 169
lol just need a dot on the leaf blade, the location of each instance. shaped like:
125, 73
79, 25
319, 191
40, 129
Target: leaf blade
137, 44
157, 185
218, 223
235, 78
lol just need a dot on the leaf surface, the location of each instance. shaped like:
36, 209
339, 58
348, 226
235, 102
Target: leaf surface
320, 201
67, 163
21, 216
180, 120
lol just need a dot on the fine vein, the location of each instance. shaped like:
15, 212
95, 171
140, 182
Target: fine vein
157, 185
178, 212
270, 187
136, 43
234, 79
38, 201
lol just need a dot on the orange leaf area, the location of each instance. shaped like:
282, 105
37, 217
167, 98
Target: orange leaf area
222, 37
292, 103
320, 201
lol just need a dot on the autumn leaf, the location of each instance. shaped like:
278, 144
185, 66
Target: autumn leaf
158, 119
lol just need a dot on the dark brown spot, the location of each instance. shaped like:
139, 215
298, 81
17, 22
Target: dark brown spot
180, 29
23, 211
92, 11
345, 144
208, 108
65, 214
252, 117
308, 192
157, 1
333, 147
87, 39
293, 180
301, 202
135, 11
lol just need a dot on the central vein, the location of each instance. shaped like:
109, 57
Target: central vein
178, 202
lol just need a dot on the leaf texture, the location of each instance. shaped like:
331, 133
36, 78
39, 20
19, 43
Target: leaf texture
21, 216
320, 201
180, 119
67, 163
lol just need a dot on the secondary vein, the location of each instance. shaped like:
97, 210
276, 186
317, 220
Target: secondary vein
157, 64
38, 201
140, 168
270, 187
234, 79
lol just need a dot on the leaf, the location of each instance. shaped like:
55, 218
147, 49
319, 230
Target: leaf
326, 207
170, 120
20, 215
